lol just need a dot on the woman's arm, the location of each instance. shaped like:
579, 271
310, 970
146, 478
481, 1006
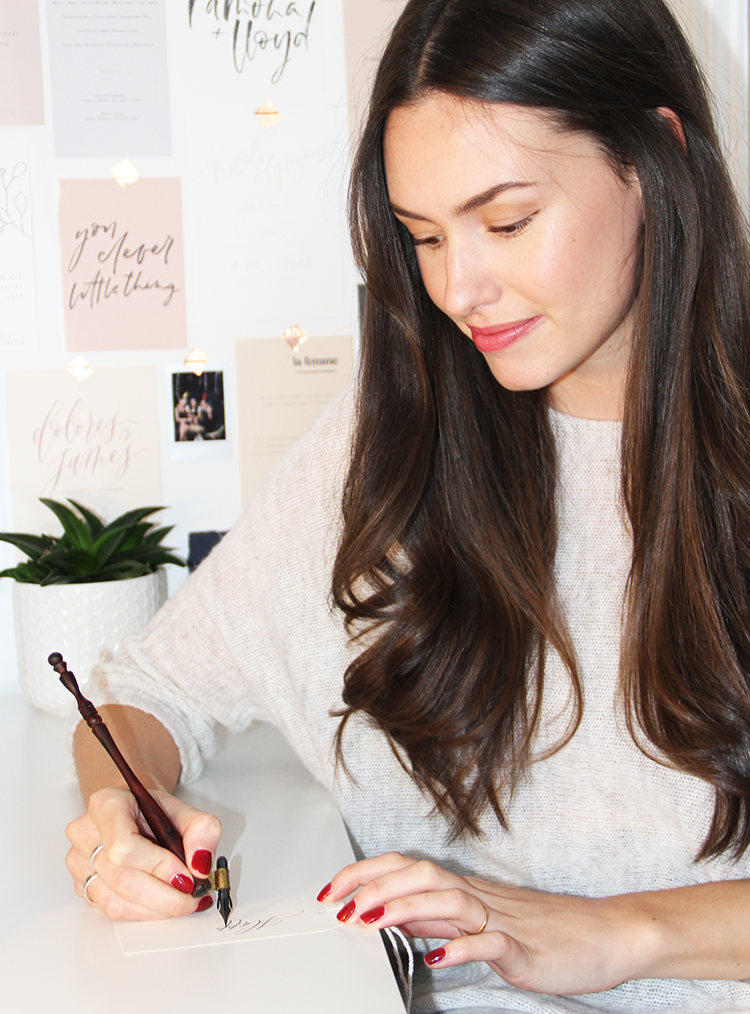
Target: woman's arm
555, 943
143, 741
136, 878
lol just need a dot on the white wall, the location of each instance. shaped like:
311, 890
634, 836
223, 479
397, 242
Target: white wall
266, 240
720, 34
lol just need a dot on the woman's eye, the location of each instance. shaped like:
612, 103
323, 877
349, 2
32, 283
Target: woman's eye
514, 229
427, 241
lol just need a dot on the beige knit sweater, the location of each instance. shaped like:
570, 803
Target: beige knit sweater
251, 636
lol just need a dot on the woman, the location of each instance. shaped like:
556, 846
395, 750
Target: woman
540, 571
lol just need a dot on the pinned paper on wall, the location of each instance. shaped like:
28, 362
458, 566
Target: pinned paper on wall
96, 442
17, 286
122, 264
110, 84
280, 392
21, 97
258, 38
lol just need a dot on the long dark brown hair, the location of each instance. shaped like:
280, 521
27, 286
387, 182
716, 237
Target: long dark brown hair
445, 568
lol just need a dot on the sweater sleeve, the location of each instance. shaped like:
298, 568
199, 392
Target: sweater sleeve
230, 647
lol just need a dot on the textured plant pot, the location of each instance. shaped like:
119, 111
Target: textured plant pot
84, 622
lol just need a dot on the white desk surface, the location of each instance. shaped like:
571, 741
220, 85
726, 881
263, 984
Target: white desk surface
60, 955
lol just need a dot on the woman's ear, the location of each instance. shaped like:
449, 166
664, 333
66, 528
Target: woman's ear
674, 123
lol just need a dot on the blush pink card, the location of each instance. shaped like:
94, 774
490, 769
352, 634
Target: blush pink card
122, 264
21, 98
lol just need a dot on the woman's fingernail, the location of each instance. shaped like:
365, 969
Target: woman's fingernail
373, 915
201, 862
182, 883
435, 957
324, 893
203, 904
346, 912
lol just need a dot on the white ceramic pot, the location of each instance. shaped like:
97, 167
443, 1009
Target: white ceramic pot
84, 622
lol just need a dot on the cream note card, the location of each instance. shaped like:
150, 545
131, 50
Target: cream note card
280, 392
122, 264
254, 921
96, 442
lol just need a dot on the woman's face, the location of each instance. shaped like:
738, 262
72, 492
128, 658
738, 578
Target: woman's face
526, 239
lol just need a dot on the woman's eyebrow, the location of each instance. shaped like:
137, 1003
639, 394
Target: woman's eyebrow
471, 205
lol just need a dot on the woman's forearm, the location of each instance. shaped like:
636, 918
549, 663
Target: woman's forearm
143, 741
697, 932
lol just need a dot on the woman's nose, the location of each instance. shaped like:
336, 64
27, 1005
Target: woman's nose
470, 282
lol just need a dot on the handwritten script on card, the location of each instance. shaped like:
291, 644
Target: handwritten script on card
253, 921
122, 264
73, 441
259, 33
95, 442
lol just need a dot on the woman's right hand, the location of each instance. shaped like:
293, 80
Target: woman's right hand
135, 878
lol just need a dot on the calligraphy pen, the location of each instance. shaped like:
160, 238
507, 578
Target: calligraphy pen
164, 831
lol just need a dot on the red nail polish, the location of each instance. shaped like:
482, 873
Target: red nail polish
346, 912
204, 903
373, 915
182, 883
201, 862
435, 957
324, 893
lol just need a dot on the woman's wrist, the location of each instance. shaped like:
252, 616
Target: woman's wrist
696, 932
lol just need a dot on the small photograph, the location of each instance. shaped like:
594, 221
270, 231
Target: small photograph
198, 405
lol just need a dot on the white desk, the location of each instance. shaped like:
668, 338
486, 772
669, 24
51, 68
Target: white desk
59, 955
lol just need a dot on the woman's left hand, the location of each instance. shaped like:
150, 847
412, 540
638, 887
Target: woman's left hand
545, 943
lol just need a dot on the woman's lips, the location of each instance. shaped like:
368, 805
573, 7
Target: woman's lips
493, 339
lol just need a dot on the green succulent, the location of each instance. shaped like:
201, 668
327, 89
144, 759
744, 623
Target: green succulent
88, 550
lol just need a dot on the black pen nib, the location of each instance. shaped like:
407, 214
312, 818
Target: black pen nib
223, 896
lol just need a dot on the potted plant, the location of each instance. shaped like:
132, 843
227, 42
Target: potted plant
80, 593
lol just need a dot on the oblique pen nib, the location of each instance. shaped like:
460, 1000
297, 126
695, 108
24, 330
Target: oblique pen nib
221, 883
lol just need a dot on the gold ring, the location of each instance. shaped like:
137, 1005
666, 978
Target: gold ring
486, 918
86, 884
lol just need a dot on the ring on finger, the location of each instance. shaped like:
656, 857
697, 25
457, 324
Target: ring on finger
483, 927
86, 884
95, 853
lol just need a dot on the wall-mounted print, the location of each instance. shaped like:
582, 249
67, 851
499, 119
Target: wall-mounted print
122, 264
198, 423
95, 441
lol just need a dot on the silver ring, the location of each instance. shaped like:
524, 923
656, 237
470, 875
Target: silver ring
486, 918
87, 881
95, 853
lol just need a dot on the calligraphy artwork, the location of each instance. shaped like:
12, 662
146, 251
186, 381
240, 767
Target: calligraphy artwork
266, 35
257, 920
96, 441
122, 264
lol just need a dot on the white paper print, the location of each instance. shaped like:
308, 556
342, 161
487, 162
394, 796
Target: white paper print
110, 86
17, 288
